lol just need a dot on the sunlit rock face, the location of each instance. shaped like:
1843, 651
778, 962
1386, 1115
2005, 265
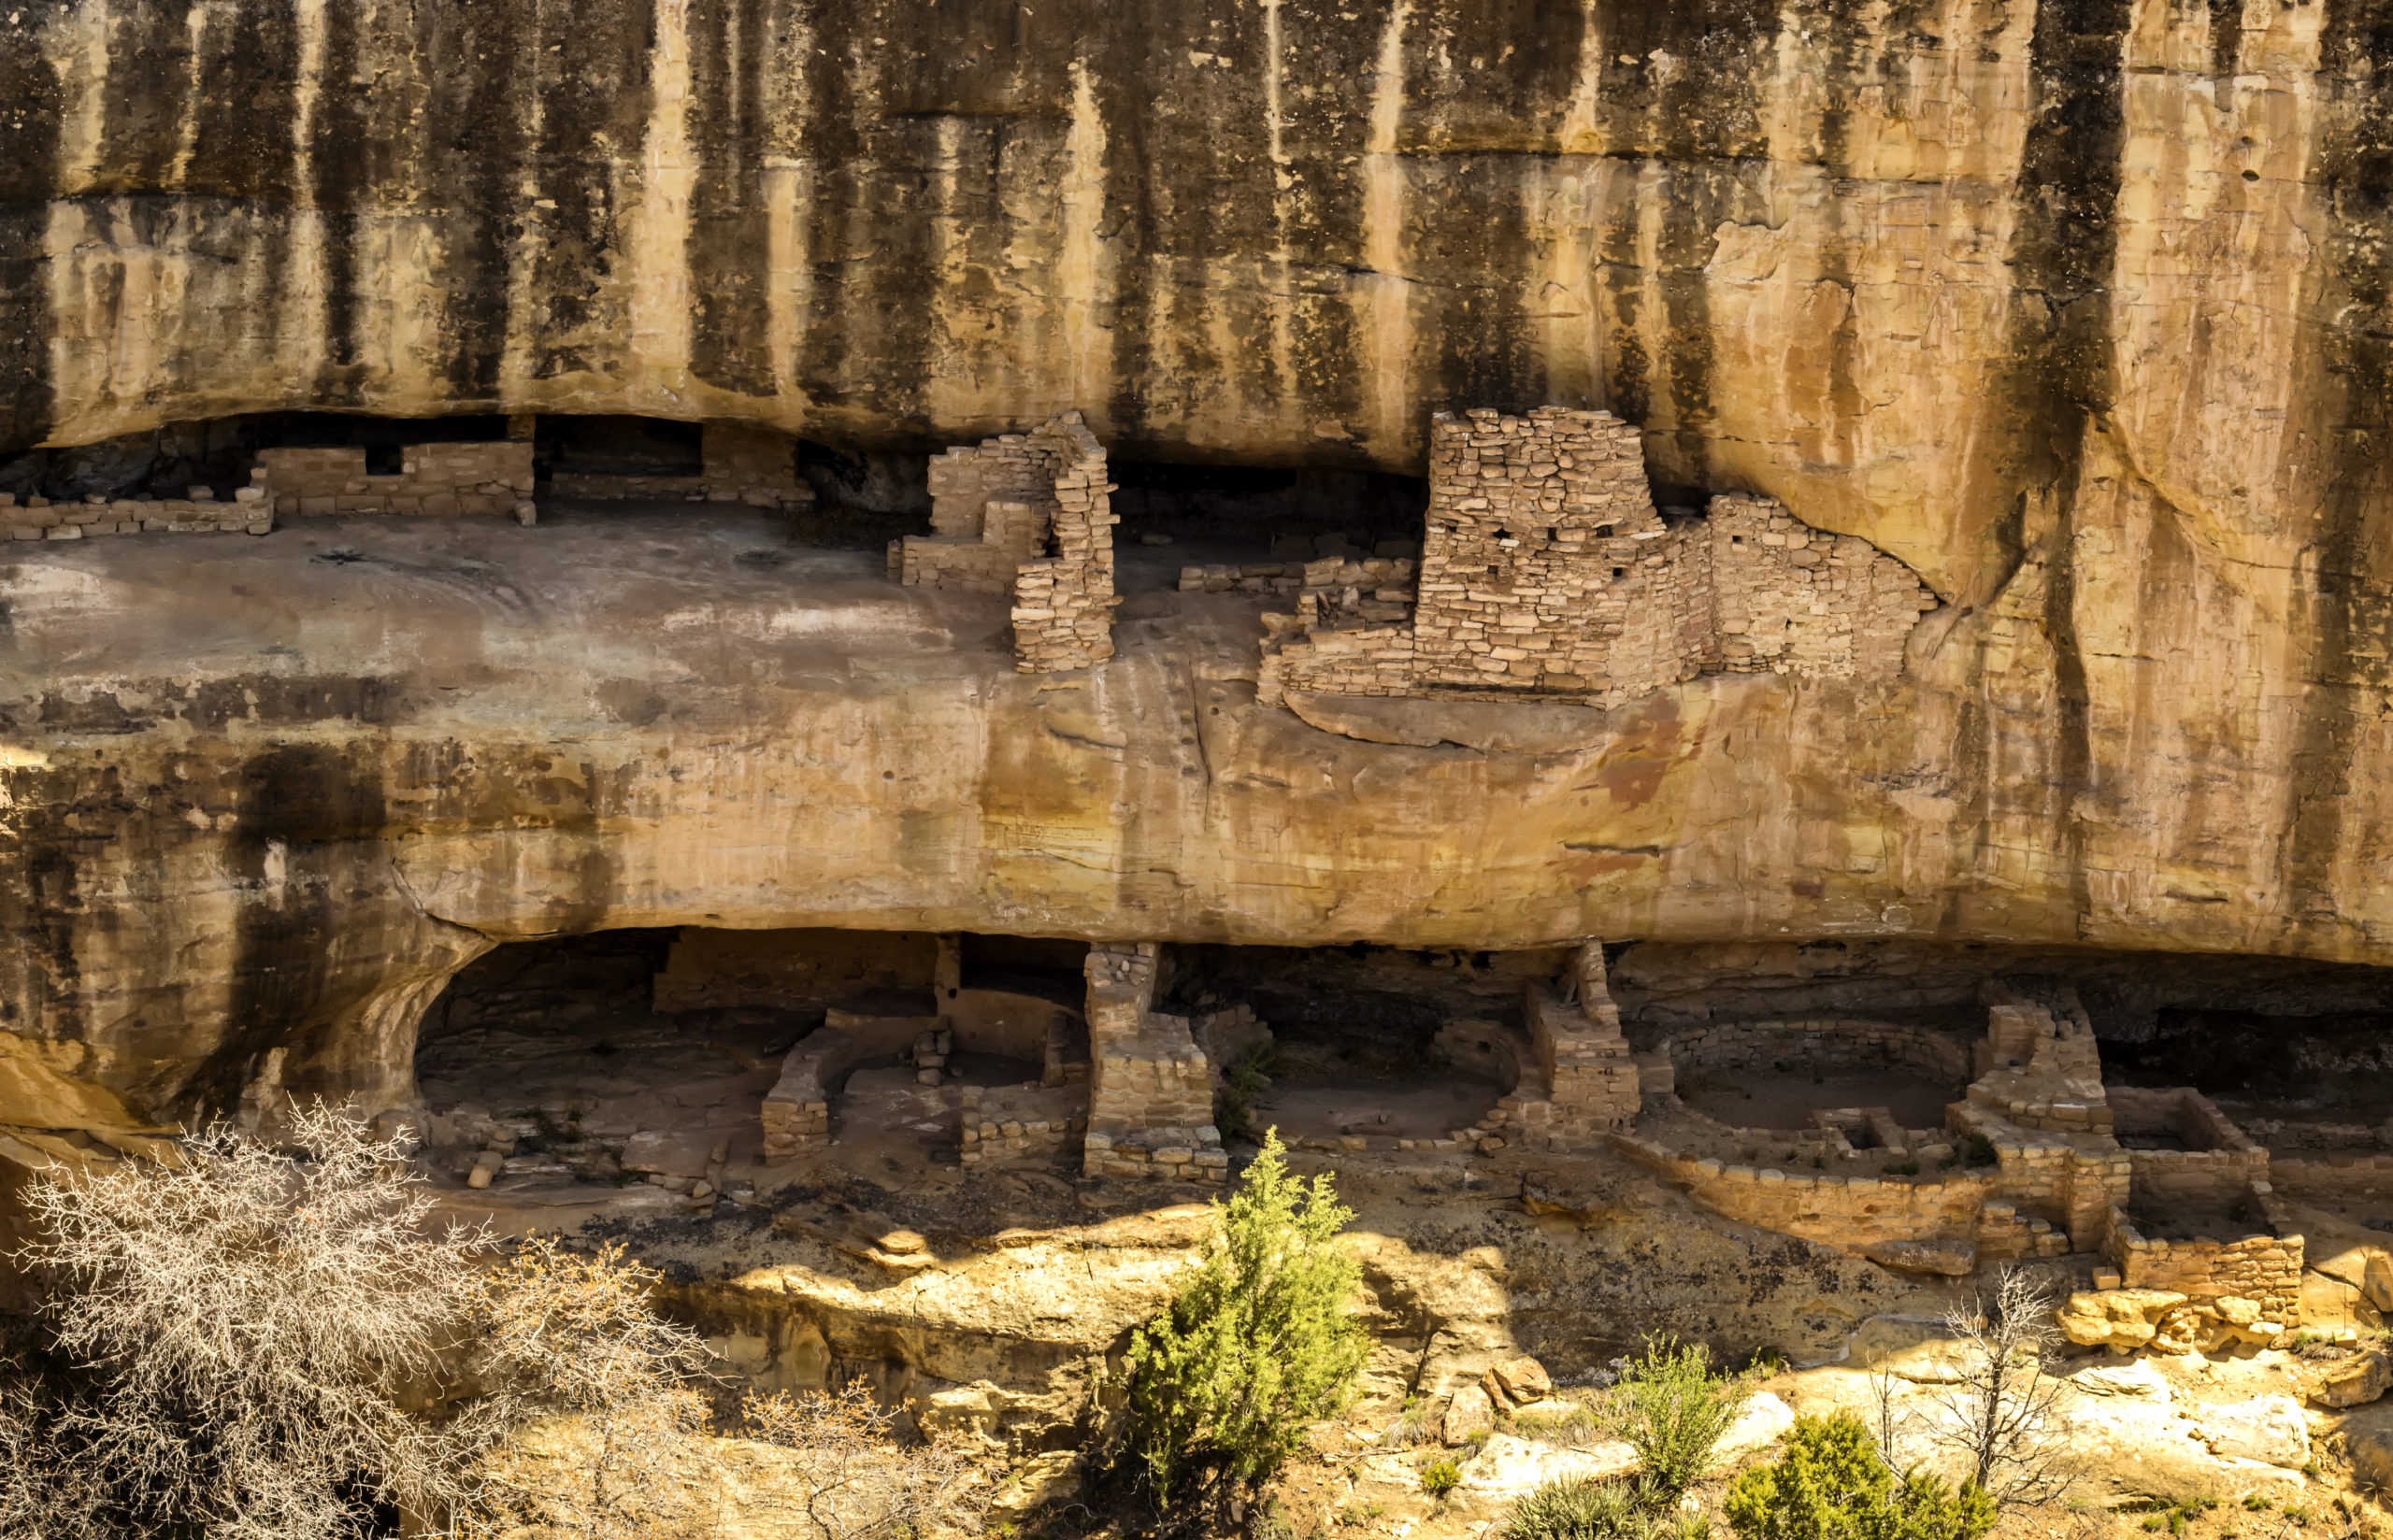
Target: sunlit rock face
2077, 309
1957, 276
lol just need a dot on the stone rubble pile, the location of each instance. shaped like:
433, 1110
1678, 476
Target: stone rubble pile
1021, 1125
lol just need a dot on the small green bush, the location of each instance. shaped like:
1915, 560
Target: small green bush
1440, 1475
1255, 1343
1831, 1484
1982, 1152
1672, 1409
1573, 1510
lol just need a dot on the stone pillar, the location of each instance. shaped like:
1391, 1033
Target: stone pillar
1151, 1093
1591, 1080
947, 975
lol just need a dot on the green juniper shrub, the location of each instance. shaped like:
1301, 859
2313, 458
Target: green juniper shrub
1255, 1343
1672, 1408
1832, 1483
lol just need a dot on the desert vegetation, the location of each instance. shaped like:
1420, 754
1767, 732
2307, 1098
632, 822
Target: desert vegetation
1255, 1343
270, 1341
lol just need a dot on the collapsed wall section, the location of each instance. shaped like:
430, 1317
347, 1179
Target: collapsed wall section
1028, 515
1546, 572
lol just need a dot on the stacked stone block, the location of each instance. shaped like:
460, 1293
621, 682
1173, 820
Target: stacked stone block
2265, 1269
434, 479
198, 512
2336, 1177
1021, 1125
1850, 1212
796, 1112
1590, 1076
2220, 1164
1151, 1097
1028, 515
1546, 573
2044, 1069
1063, 603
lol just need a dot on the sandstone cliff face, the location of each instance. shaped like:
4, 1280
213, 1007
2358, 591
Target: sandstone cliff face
2079, 309
1939, 273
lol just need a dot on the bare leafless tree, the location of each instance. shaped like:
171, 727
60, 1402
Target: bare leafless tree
854, 1479
274, 1343
573, 1344
248, 1321
1998, 1414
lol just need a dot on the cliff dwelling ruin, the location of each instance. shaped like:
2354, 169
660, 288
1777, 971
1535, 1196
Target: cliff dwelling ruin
1735, 664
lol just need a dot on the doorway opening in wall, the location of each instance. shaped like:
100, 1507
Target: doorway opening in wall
1175, 516
1358, 1048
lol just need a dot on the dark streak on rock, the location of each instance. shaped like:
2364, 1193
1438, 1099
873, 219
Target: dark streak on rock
29, 106
728, 242
2350, 615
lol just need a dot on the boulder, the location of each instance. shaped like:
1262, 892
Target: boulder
1763, 1422
2128, 1447
2121, 1319
2355, 1255
2353, 1381
1944, 1258
2270, 1428
1511, 1467
1471, 1412
2367, 1443
1517, 1381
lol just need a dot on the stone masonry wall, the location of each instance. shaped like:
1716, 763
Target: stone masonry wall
2219, 1164
1590, 1076
2263, 1268
1021, 1125
1028, 515
1063, 603
198, 513
1150, 1095
1545, 572
433, 479
1835, 1041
